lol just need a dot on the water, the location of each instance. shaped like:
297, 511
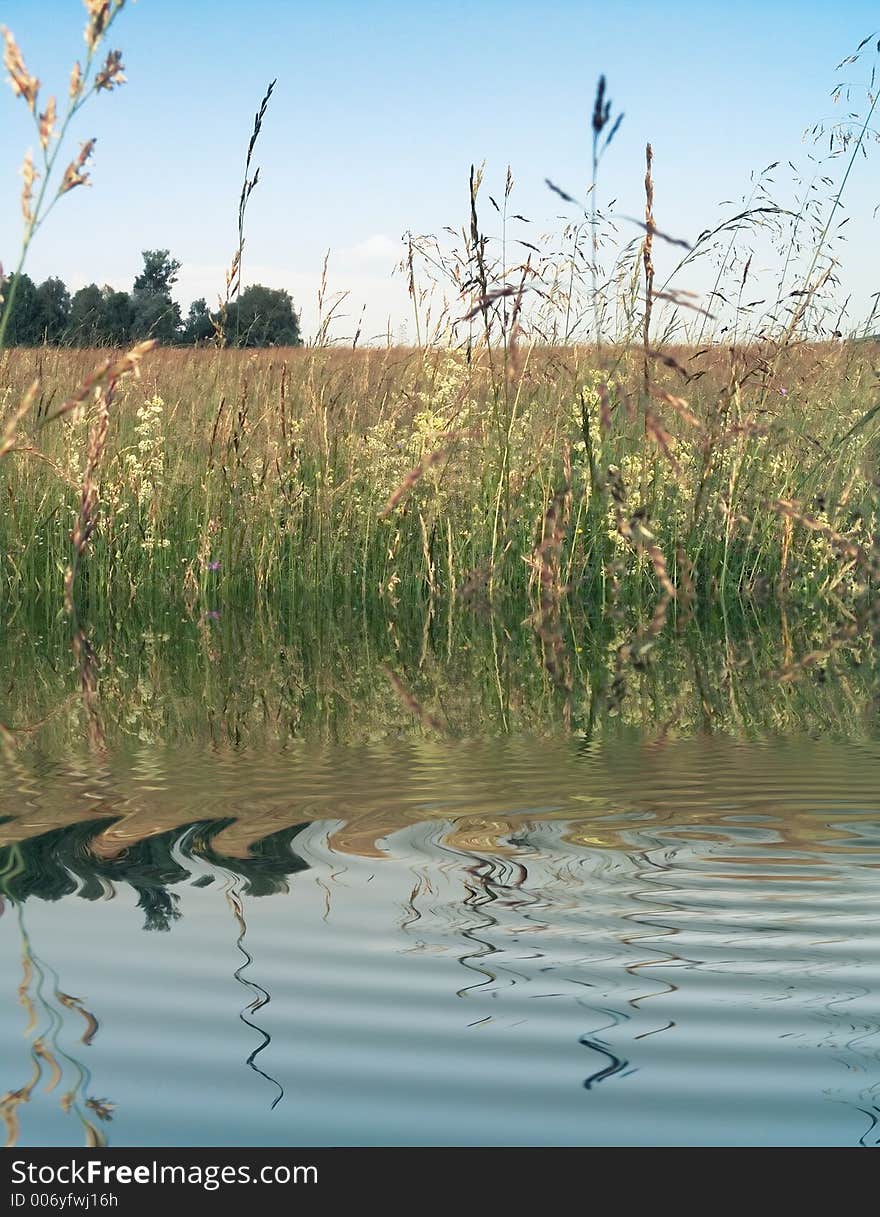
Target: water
243, 930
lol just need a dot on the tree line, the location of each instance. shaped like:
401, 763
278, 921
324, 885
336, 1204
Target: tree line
47, 314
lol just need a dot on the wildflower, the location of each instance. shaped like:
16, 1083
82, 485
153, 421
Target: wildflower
144, 466
783, 392
215, 566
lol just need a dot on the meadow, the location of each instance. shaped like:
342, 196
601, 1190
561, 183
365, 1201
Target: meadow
571, 427
359, 479
400, 685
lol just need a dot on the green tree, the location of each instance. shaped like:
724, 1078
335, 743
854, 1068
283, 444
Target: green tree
23, 326
86, 325
53, 305
263, 317
155, 314
117, 321
159, 273
199, 325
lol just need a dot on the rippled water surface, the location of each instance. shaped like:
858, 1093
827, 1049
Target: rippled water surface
636, 935
480, 954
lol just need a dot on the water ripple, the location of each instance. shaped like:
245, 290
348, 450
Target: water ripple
498, 943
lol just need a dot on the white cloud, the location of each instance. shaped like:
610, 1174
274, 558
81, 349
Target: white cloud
378, 248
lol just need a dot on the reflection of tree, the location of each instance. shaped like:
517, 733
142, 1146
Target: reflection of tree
160, 907
60, 863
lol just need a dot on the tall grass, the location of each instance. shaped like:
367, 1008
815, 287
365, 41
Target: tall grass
43, 187
502, 462
364, 477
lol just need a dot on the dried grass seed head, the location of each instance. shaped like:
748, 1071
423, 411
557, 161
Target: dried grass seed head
22, 83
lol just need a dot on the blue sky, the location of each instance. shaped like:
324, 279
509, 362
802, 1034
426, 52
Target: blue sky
380, 109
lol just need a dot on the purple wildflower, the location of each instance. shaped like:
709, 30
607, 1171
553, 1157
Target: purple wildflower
214, 565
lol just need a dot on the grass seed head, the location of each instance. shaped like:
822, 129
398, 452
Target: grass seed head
22, 83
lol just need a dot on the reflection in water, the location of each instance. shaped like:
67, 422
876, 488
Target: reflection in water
555, 906
261, 996
719, 975
40, 993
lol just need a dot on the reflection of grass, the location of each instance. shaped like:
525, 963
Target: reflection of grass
59, 864
261, 996
40, 993
240, 683
253, 732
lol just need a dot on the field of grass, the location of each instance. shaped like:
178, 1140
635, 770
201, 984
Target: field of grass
355, 480
545, 444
